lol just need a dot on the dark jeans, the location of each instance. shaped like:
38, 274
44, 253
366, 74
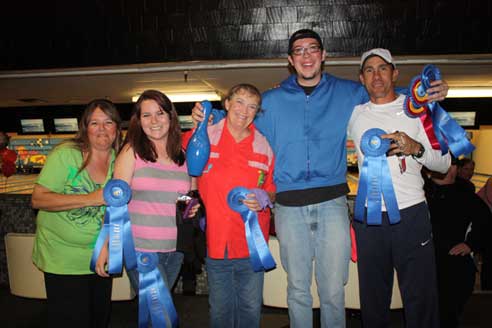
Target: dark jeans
78, 300
486, 273
406, 246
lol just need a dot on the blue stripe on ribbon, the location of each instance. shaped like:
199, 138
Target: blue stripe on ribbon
155, 300
389, 194
101, 239
259, 254
374, 176
375, 180
453, 133
117, 227
115, 246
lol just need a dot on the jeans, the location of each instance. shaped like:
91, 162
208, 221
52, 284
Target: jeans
169, 267
320, 233
235, 293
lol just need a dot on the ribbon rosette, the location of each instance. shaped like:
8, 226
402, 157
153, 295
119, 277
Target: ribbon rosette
260, 256
117, 194
441, 129
154, 298
375, 179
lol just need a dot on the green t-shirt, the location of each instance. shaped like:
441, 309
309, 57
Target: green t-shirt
65, 239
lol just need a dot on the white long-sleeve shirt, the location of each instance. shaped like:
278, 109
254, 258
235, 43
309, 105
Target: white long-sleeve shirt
391, 117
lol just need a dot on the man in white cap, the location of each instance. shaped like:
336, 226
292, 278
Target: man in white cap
305, 121
407, 245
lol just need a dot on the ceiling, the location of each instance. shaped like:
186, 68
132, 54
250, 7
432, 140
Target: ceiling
120, 83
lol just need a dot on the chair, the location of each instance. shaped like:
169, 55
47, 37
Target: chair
27, 280
275, 285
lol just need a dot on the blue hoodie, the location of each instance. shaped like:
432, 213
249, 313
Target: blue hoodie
308, 133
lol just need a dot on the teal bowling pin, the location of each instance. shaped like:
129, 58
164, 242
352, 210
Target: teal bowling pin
198, 149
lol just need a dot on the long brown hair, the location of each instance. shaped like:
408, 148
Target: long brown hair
139, 141
81, 139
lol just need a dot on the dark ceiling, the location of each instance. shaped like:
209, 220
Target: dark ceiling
75, 33
57, 55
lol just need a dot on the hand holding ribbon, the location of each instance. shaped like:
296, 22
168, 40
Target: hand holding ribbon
262, 198
441, 129
375, 179
154, 298
116, 229
260, 256
402, 144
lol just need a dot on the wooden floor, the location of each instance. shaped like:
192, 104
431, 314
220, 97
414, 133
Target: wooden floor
18, 184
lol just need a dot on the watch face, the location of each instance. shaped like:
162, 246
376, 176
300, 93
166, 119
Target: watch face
421, 151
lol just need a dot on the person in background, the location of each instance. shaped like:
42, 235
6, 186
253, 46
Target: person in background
152, 162
240, 156
465, 171
305, 121
407, 245
7, 156
485, 193
459, 219
69, 196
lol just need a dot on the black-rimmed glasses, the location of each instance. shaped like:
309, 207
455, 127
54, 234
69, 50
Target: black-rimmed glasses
312, 49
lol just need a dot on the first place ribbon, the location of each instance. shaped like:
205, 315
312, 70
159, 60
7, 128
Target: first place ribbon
259, 254
117, 194
375, 179
154, 298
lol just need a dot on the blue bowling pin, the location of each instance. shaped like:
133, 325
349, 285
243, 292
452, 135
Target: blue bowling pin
198, 149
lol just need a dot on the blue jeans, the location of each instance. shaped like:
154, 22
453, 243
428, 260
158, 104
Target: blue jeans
318, 232
235, 293
169, 267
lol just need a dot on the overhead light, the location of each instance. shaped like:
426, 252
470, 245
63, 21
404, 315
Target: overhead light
470, 92
188, 97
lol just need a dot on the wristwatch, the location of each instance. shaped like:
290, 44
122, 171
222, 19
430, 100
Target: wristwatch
420, 153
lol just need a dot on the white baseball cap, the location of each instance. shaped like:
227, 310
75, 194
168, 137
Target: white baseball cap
380, 52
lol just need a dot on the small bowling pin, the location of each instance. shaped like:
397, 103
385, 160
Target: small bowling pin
198, 149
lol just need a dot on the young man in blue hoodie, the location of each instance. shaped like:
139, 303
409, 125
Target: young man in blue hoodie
305, 121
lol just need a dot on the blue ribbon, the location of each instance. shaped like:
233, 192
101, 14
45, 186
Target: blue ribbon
117, 227
154, 298
259, 254
448, 132
375, 179
445, 127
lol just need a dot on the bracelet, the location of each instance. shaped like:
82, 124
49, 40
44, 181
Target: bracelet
420, 152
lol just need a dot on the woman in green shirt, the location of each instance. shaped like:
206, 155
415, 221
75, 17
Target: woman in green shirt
68, 194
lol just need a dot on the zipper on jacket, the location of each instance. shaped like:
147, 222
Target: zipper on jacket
306, 129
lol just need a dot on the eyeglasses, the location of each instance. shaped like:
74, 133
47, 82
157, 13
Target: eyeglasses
312, 49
